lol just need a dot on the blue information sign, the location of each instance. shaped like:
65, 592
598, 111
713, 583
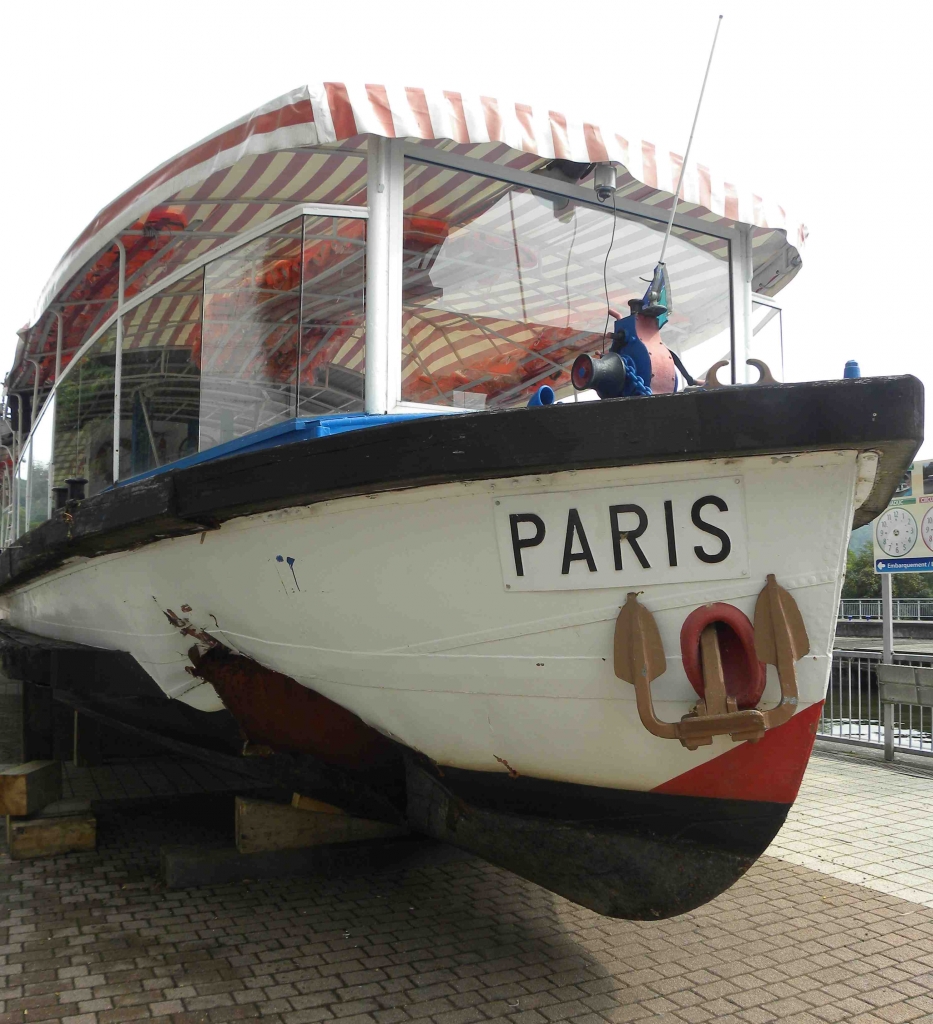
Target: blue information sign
903, 533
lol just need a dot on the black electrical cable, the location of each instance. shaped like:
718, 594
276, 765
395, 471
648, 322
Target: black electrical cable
612, 239
683, 369
573, 240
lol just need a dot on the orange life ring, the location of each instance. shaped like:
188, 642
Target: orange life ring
744, 673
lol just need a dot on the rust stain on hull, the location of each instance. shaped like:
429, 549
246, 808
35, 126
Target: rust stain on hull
275, 711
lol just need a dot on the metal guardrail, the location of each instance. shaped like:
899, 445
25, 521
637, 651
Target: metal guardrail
853, 710
909, 608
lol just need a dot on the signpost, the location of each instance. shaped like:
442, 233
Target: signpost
903, 534
903, 542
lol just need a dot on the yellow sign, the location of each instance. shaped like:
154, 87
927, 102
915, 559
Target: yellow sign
903, 533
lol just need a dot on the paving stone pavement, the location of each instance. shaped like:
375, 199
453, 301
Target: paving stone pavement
96, 939
865, 821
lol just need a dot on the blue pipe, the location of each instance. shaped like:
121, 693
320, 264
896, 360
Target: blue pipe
543, 396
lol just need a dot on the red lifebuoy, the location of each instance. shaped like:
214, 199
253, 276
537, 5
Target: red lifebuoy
744, 673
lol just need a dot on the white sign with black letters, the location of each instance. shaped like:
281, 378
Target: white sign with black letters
683, 531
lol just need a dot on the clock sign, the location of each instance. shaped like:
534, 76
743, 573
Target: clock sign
926, 528
897, 532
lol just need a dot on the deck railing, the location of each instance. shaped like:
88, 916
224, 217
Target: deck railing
852, 711
909, 608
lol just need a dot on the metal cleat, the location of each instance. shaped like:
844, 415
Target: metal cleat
765, 376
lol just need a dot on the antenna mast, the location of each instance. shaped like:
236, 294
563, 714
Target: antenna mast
683, 166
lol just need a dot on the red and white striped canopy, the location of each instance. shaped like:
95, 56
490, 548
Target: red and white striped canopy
260, 164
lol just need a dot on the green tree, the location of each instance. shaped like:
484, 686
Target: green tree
862, 580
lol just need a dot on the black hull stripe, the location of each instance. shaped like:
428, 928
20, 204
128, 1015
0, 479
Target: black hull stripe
880, 413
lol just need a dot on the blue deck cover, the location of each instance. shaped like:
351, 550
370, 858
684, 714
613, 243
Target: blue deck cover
284, 433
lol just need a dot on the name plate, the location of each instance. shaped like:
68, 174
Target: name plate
678, 532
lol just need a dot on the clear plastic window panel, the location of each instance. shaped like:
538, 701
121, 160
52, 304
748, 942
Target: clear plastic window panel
21, 492
333, 316
503, 286
160, 389
249, 337
84, 418
768, 337
39, 467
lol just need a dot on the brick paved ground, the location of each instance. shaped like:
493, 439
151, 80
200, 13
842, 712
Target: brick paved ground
865, 821
95, 939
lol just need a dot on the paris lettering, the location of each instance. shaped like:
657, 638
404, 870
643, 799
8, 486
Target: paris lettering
629, 527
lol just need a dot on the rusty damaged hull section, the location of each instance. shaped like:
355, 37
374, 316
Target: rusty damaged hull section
275, 713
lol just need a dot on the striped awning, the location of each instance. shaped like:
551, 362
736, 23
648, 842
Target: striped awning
309, 145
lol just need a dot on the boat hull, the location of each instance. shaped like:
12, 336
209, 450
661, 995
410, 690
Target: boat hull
415, 632
458, 634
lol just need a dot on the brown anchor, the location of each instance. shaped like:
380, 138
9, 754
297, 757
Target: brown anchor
780, 640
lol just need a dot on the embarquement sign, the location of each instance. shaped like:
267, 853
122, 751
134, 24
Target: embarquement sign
903, 533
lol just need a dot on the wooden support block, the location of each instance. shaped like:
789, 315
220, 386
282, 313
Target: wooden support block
308, 803
28, 787
263, 826
63, 827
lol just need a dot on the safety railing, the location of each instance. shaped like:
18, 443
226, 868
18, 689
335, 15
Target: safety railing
853, 711
905, 608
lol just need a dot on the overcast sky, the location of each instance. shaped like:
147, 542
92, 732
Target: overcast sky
822, 107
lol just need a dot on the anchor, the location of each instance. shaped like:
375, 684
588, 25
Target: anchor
780, 638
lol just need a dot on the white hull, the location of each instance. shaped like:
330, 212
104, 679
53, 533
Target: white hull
395, 606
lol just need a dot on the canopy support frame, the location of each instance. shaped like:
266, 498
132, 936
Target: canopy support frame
385, 199
742, 271
118, 361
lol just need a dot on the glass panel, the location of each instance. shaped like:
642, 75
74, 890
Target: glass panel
21, 493
38, 491
503, 286
333, 316
6, 504
767, 338
161, 378
249, 337
84, 418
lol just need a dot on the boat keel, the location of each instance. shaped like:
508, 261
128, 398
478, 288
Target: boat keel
632, 865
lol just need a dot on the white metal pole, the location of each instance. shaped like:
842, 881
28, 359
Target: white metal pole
18, 449
743, 271
28, 514
748, 274
58, 344
889, 732
118, 364
396, 170
58, 370
887, 619
384, 276
32, 430
4, 515
377, 259
887, 657
7, 499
